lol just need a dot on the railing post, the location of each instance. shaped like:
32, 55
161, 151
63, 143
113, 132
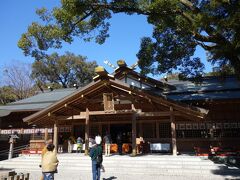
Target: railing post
26, 177
10, 154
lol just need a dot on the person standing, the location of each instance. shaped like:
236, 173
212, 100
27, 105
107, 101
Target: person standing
70, 145
79, 144
98, 138
96, 157
60, 143
44, 150
119, 143
49, 163
107, 139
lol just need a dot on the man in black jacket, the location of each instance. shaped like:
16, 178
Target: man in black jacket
119, 143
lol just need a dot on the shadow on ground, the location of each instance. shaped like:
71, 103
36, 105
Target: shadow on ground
231, 166
110, 178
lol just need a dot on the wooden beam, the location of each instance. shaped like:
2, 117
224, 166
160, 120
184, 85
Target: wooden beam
173, 132
157, 129
87, 132
163, 113
81, 116
134, 131
46, 134
72, 107
138, 112
55, 135
140, 128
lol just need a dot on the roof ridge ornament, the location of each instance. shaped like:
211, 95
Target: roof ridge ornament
101, 71
121, 63
102, 74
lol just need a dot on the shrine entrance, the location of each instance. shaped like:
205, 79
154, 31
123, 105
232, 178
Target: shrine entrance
124, 129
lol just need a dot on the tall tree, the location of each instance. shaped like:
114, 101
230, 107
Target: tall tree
7, 95
17, 77
179, 27
65, 70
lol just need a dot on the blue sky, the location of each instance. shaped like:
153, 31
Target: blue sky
125, 34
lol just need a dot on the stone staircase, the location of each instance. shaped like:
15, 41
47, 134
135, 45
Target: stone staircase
78, 166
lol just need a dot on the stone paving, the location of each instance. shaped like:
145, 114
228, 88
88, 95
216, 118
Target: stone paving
121, 176
149, 167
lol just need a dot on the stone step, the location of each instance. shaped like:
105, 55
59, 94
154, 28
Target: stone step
128, 165
124, 157
151, 165
121, 168
153, 172
108, 161
112, 162
82, 175
111, 159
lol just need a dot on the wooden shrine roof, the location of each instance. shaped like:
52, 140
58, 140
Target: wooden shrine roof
90, 97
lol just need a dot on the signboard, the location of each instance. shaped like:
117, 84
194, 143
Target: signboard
65, 129
25, 131
160, 147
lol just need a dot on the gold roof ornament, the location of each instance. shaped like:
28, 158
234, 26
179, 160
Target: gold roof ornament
121, 63
101, 71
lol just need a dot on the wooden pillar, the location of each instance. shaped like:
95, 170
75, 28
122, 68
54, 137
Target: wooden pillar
87, 132
134, 128
72, 129
109, 127
157, 129
100, 129
46, 134
173, 132
55, 135
140, 129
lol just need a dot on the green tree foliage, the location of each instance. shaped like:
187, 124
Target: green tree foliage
65, 70
222, 72
179, 27
7, 95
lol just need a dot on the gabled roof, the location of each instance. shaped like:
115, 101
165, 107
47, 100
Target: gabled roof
81, 98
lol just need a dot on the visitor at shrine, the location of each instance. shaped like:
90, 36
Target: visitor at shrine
44, 150
49, 163
79, 144
119, 143
60, 143
107, 140
96, 157
139, 143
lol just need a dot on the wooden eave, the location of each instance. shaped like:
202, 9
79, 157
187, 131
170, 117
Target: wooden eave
74, 101
77, 95
184, 108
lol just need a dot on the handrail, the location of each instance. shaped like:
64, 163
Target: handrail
16, 150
